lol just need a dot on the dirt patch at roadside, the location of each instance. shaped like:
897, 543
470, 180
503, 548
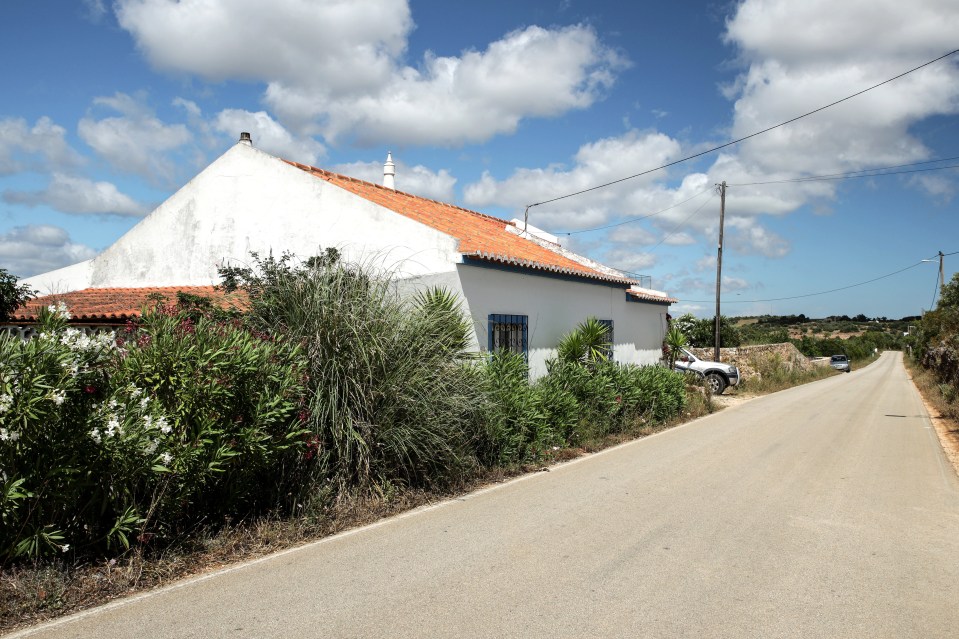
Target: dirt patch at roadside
946, 429
730, 400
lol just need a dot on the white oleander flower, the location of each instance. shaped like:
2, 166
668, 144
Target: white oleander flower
58, 397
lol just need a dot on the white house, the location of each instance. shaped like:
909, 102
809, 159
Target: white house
521, 288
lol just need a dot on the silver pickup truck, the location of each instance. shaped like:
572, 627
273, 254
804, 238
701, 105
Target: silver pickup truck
718, 375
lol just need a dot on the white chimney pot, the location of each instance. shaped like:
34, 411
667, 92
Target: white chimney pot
389, 170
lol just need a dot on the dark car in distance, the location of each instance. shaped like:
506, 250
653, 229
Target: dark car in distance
840, 363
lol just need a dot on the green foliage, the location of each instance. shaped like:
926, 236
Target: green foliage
193, 417
105, 443
520, 419
856, 347
701, 333
949, 294
12, 295
673, 343
763, 334
587, 344
390, 397
230, 400
612, 397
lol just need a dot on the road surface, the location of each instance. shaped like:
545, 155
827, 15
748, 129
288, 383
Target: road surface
825, 511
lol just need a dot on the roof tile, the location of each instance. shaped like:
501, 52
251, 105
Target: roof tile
480, 236
120, 304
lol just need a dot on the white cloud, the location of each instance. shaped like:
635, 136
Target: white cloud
595, 163
679, 239
629, 260
744, 236
838, 50
337, 68
29, 250
269, 135
449, 100
37, 148
707, 263
94, 10
632, 235
136, 140
347, 46
418, 180
734, 284
79, 196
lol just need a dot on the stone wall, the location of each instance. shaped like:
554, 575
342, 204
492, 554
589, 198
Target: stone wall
751, 359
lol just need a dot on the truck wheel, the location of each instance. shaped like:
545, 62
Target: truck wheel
716, 383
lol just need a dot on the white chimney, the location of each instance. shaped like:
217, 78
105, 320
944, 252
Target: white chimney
246, 139
389, 170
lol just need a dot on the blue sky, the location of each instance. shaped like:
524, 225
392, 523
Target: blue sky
109, 107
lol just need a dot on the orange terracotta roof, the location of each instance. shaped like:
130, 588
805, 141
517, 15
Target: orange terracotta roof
120, 304
648, 296
480, 236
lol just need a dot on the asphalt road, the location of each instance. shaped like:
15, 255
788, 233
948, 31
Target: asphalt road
825, 511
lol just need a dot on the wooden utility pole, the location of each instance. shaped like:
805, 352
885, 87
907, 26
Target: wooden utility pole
942, 282
719, 265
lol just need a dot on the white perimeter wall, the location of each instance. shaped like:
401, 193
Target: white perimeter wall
554, 307
248, 200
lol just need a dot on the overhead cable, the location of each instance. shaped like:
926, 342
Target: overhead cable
935, 292
863, 173
636, 219
833, 290
751, 135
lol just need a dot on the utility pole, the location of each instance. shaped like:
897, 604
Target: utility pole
942, 282
719, 265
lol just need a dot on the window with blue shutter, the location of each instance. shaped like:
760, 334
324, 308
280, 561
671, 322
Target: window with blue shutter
609, 337
509, 333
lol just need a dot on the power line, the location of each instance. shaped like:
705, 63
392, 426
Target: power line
751, 135
635, 219
935, 291
823, 178
676, 228
856, 174
833, 290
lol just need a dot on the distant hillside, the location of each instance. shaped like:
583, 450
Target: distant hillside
857, 336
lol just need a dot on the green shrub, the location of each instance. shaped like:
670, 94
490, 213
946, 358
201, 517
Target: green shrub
518, 423
103, 446
52, 390
231, 400
390, 397
611, 397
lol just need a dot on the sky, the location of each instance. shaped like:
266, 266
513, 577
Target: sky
108, 107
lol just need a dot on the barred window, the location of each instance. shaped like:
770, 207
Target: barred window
508, 332
608, 323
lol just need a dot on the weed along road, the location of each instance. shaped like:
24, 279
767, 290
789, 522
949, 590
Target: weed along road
825, 511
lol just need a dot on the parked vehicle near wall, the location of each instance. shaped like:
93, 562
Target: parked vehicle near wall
718, 376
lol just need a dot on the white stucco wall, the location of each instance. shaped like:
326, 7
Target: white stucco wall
248, 200
555, 306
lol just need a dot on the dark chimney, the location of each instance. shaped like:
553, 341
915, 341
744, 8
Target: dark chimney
246, 139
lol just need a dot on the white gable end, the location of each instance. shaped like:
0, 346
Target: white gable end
248, 200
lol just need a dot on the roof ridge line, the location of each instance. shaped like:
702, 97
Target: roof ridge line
349, 178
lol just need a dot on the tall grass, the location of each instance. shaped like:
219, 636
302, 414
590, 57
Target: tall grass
771, 373
391, 398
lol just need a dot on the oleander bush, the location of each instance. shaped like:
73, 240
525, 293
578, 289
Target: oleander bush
108, 442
